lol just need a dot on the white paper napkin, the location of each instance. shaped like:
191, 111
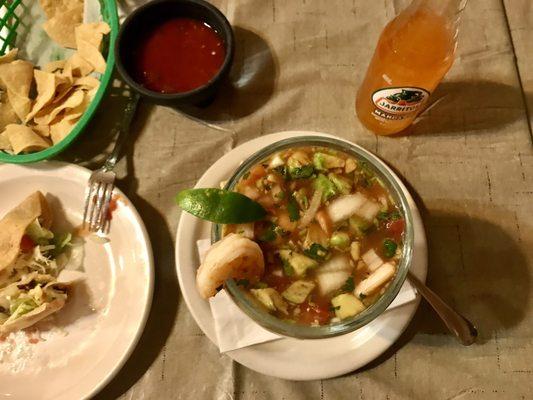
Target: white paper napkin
235, 330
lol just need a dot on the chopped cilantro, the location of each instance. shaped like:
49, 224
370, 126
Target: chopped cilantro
389, 248
282, 170
261, 285
246, 175
349, 285
292, 208
301, 172
269, 234
385, 216
316, 252
332, 309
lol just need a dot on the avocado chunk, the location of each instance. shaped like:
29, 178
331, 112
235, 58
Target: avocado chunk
298, 291
340, 240
358, 226
326, 186
297, 262
271, 299
323, 161
347, 305
343, 185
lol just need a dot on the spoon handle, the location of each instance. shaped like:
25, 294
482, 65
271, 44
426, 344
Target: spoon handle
462, 328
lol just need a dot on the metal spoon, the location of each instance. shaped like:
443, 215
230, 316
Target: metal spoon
463, 329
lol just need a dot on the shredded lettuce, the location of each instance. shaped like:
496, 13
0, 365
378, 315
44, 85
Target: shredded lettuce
38, 234
21, 306
61, 241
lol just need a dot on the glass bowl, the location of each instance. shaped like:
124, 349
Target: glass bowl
292, 329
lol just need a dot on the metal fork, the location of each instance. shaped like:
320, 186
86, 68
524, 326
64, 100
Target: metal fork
102, 181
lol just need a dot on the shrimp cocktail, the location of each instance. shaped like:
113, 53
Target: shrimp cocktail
309, 234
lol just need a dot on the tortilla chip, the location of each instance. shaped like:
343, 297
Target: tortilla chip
88, 40
54, 66
7, 114
50, 112
77, 66
87, 82
15, 222
43, 130
16, 78
60, 130
11, 56
46, 88
61, 26
63, 89
76, 112
53, 7
22, 138
5, 144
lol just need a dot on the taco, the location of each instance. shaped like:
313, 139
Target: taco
31, 258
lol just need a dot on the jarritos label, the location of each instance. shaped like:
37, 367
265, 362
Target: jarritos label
399, 103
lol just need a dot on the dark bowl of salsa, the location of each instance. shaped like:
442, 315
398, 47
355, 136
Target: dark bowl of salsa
175, 51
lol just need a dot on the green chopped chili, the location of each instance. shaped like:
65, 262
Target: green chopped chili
389, 248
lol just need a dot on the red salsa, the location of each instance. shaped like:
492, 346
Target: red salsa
179, 55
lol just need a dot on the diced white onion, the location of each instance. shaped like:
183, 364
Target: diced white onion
331, 281
339, 262
245, 230
345, 206
369, 210
372, 260
276, 161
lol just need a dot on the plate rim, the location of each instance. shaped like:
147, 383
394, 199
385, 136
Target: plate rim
47, 167
243, 355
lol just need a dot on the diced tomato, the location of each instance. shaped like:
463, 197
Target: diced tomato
26, 244
256, 173
395, 228
309, 313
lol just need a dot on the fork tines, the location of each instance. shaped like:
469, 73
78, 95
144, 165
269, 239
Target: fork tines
97, 200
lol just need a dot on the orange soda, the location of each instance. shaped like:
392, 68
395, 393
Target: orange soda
414, 52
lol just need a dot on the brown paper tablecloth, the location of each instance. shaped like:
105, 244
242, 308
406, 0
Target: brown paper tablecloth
469, 162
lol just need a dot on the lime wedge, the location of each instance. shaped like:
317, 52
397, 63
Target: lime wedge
220, 206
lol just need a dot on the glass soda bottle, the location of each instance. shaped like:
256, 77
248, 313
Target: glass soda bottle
414, 52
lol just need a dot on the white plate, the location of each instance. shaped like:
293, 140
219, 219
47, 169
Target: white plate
78, 359
290, 358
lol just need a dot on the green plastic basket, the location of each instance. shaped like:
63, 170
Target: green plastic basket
13, 22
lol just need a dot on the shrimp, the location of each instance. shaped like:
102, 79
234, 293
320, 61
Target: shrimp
232, 257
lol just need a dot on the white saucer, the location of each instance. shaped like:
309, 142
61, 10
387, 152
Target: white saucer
92, 337
290, 358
